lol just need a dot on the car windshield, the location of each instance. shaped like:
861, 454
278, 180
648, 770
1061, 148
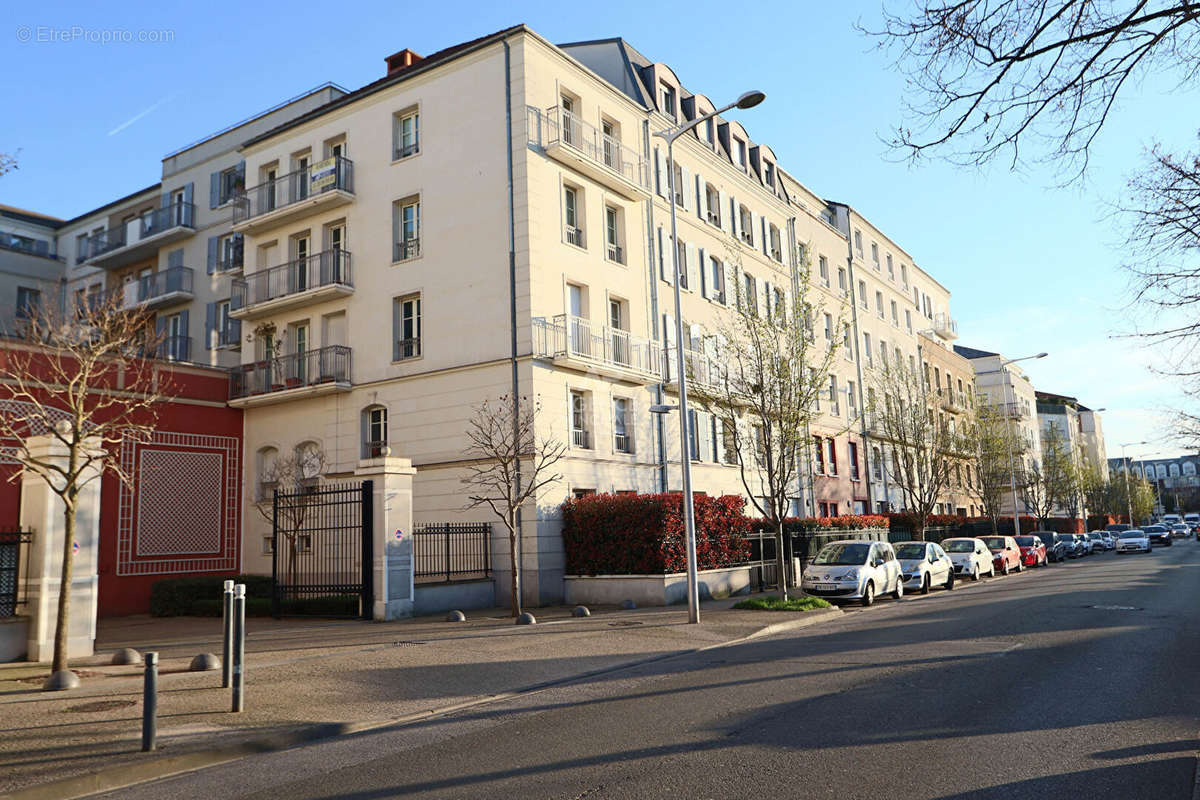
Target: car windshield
1154, 529
1028, 541
843, 553
910, 550
1132, 535
994, 542
959, 546
1093, 536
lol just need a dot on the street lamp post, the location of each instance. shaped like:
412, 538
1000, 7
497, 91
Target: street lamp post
747, 100
1128, 496
1012, 474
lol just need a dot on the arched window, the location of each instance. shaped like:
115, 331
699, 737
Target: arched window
374, 431
310, 462
1189, 468
1173, 470
268, 480
1162, 471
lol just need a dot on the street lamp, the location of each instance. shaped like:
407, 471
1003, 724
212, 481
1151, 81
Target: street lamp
747, 100
1128, 496
1012, 475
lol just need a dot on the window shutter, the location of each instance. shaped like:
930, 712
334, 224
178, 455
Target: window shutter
723, 209
660, 165
706, 288
704, 434
765, 242
786, 311
664, 263
214, 190
183, 322
235, 330
763, 296
701, 202
210, 324
730, 283
160, 326
768, 298
693, 268
213, 243
685, 185
189, 195
734, 220
175, 258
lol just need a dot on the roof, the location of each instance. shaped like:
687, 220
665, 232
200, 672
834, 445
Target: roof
30, 216
117, 202
429, 62
971, 352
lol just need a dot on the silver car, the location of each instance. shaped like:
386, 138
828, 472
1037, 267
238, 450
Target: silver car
971, 557
924, 565
854, 570
1133, 540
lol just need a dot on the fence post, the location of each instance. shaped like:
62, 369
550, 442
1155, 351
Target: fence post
227, 631
447, 552
367, 535
150, 703
275, 609
239, 647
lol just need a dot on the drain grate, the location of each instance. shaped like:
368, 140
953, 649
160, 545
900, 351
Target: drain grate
1116, 608
100, 705
628, 623
405, 644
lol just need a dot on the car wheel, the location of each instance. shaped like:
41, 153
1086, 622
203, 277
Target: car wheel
868, 597
899, 593
1020, 565
925, 584
975, 573
992, 574
1005, 570
950, 581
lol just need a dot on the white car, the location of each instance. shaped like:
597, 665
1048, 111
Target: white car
854, 570
1133, 540
924, 565
971, 557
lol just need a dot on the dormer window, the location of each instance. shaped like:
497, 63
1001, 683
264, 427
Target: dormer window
769, 173
739, 153
666, 95
710, 131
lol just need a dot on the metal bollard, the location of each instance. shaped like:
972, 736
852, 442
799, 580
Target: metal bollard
239, 647
150, 703
227, 642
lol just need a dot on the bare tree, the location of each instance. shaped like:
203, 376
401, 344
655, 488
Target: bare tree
762, 376
1047, 481
83, 374
990, 441
296, 477
921, 441
989, 77
8, 162
511, 465
1093, 486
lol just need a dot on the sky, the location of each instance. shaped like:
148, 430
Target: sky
97, 93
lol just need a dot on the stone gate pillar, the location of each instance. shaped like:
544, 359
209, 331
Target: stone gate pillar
392, 529
42, 513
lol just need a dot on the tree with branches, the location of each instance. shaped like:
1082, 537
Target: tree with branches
989, 439
509, 466
1047, 481
1094, 487
295, 478
82, 373
762, 376
8, 162
921, 441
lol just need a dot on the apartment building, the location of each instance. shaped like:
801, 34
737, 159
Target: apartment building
31, 271
170, 248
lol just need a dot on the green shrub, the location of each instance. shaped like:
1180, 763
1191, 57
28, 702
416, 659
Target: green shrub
202, 596
775, 604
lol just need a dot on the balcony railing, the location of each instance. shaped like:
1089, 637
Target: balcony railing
33, 247
1014, 410
580, 438
230, 334
613, 251
406, 348
623, 443
147, 290
945, 326
701, 369
174, 348
556, 127
279, 373
327, 268
332, 174
571, 337
574, 235
406, 249
151, 223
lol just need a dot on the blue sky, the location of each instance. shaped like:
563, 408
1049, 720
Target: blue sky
1031, 267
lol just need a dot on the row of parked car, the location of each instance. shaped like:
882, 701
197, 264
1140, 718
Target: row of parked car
859, 570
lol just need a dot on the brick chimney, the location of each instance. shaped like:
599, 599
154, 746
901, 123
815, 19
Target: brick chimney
398, 61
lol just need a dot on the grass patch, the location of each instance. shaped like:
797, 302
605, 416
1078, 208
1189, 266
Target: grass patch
775, 604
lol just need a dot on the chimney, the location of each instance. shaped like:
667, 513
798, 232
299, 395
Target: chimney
398, 61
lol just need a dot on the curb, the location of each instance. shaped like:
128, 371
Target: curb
107, 780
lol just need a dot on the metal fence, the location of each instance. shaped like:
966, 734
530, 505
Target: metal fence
797, 547
445, 552
12, 542
321, 559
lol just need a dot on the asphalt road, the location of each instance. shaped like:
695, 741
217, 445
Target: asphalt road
1076, 680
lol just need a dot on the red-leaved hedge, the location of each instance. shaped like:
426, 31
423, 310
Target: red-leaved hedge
815, 524
642, 534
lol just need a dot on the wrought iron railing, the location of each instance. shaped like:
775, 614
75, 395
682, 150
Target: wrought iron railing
581, 438
449, 552
174, 348
406, 249
327, 268
279, 373
333, 174
12, 542
151, 223
574, 235
575, 337
406, 348
229, 334
555, 126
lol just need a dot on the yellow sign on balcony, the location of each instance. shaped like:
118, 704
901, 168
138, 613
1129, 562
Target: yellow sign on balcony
322, 174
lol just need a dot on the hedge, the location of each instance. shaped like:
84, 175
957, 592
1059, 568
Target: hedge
643, 534
816, 524
197, 597
904, 521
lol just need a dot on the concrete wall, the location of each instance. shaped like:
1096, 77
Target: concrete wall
654, 590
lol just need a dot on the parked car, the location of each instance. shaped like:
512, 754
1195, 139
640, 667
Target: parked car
1180, 530
1033, 551
1006, 556
1170, 519
971, 557
924, 565
1117, 527
1056, 544
1071, 545
1158, 535
1133, 540
854, 570
1192, 520
1099, 543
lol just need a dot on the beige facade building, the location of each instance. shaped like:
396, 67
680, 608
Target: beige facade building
31, 272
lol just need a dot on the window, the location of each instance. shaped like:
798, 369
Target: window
666, 97
854, 461
29, 301
746, 225
904, 275
819, 450
891, 268
712, 200
81, 248
230, 182
842, 285
829, 328
268, 480
858, 247
229, 331
769, 173
833, 396
831, 453
709, 128
229, 252
851, 400
375, 432
879, 304
739, 152
895, 315
823, 270
693, 435
862, 293
622, 430
716, 280
847, 343
776, 245
578, 493
610, 140
875, 255
406, 229
883, 354
572, 214
908, 320
867, 349
406, 327
679, 187
406, 135
612, 235
876, 464
681, 257
750, 293
579, 420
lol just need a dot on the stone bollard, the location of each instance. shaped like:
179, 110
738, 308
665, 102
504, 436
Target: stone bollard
456, 616
58, 681
204, 662
126, 656
580, 611
526, 619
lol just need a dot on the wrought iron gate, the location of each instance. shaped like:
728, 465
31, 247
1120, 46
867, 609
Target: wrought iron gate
10, 569
322, 551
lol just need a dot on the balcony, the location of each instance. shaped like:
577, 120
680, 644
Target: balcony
568, 139
1012, 410
140, 238
174, 348
168, 287
405, 249
290, 377
322, 186
945, 326
701, 369
954, 402
573, 342
318, 277
229, 335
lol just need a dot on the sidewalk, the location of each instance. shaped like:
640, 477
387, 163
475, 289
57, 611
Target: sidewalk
316, 678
